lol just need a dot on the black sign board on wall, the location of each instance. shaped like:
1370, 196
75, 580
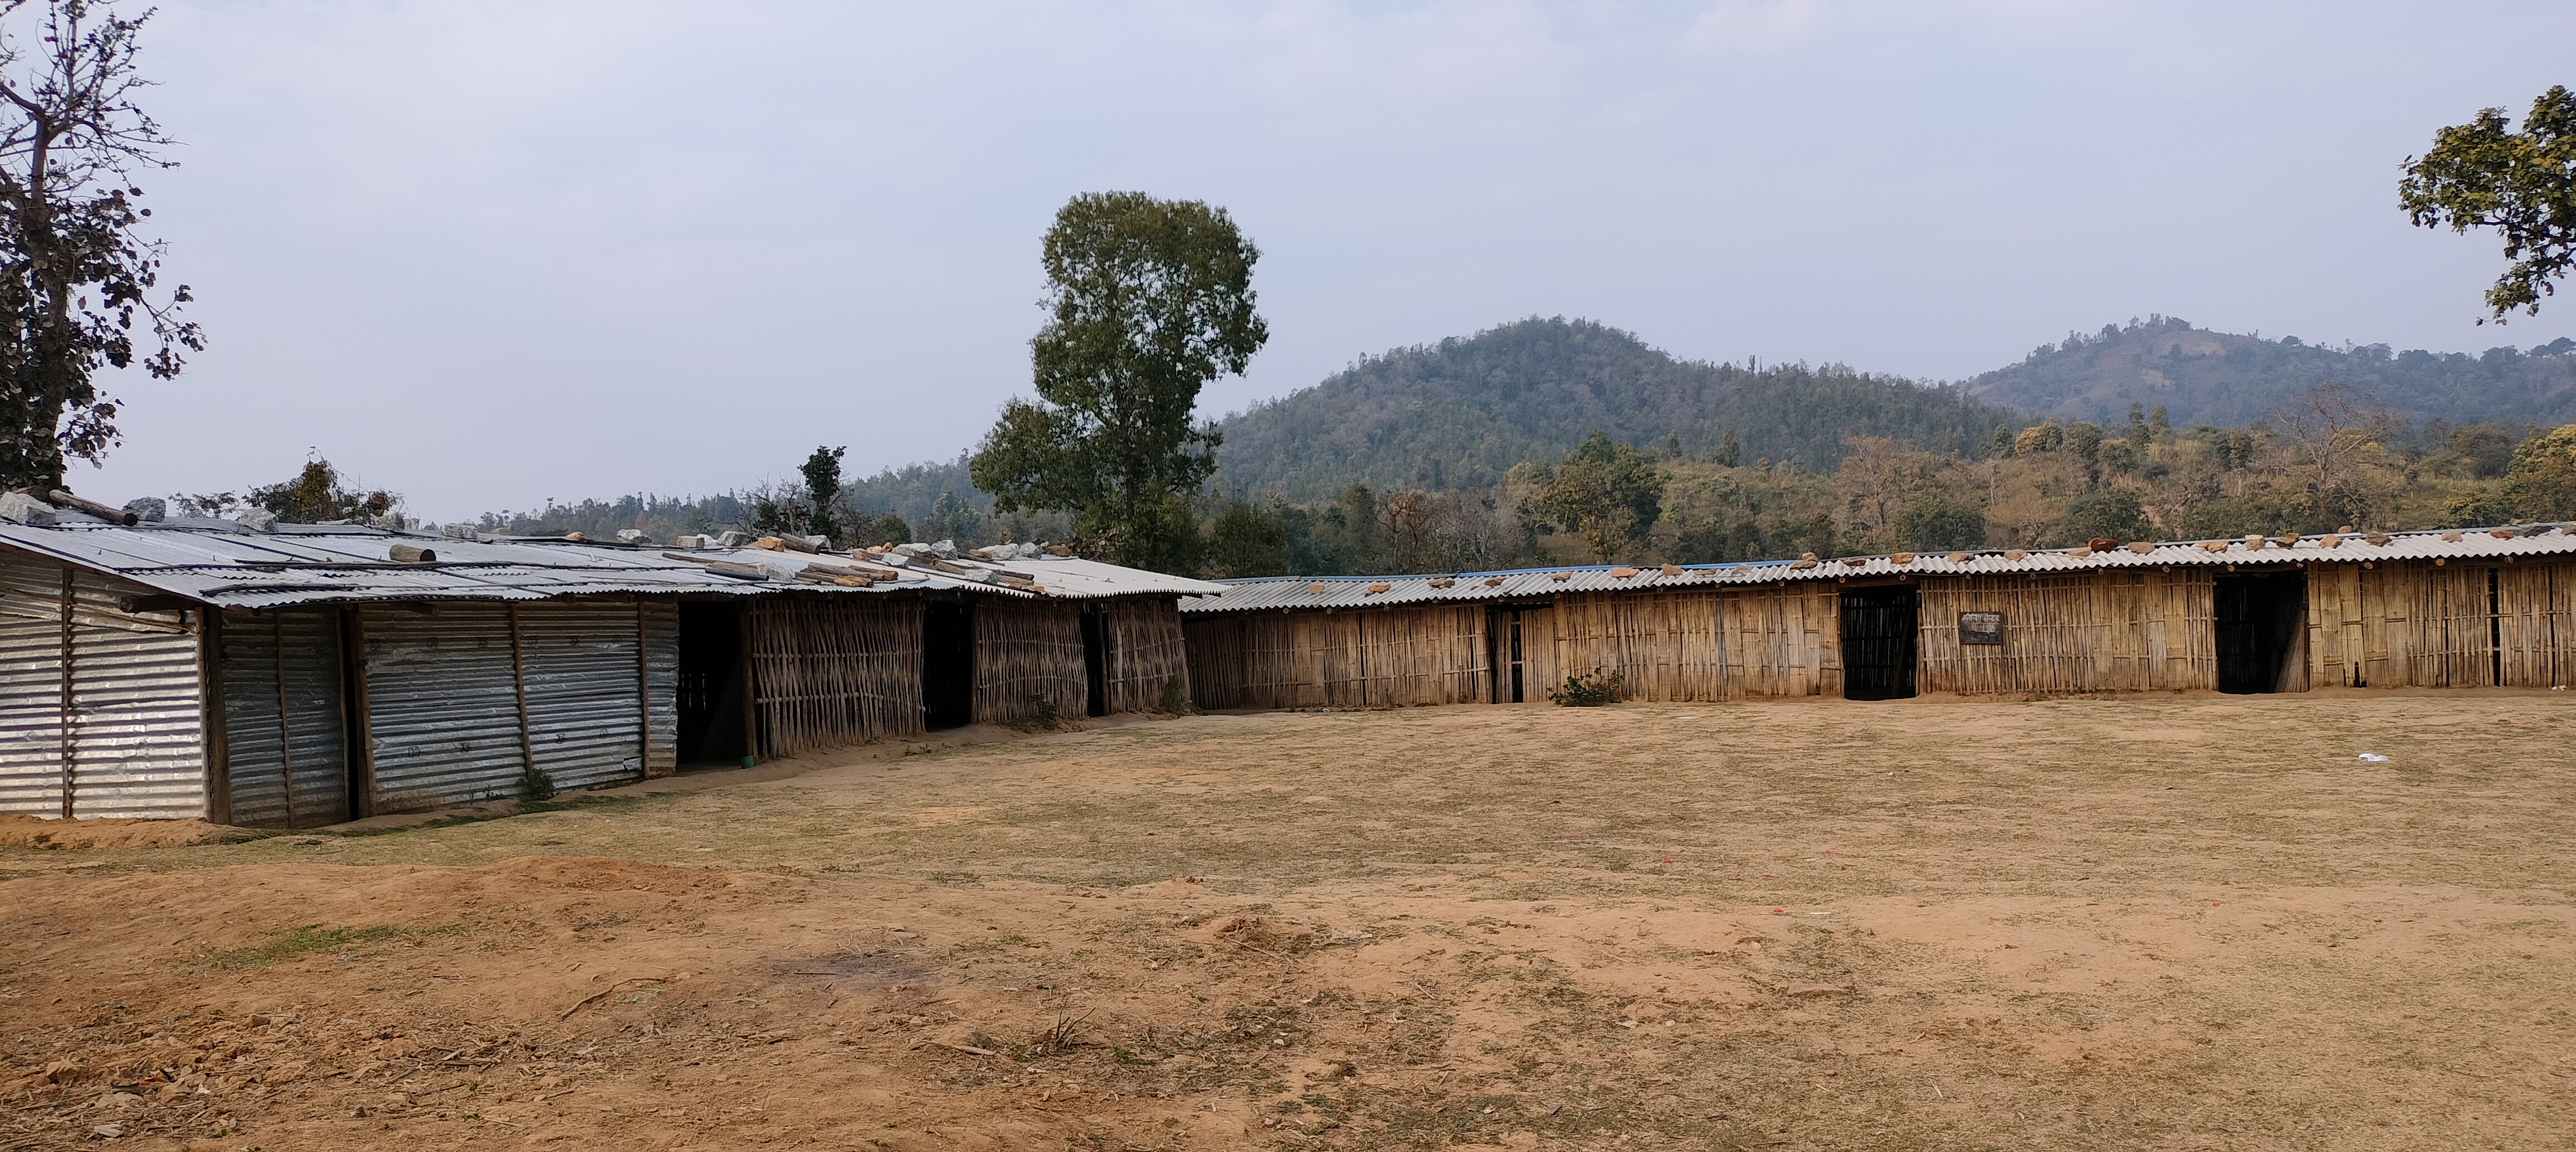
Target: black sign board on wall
1981, 628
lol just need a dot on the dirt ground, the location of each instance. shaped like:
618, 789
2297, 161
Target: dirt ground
2122, 923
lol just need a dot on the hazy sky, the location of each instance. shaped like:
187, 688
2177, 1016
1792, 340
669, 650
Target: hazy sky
491, 253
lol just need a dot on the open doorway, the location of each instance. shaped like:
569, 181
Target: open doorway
2261, 619
710, 690
1095, 663
1878, 642
947, 665
1516, 680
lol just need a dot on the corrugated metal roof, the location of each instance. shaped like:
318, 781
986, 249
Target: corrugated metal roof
219, 562
1284, 592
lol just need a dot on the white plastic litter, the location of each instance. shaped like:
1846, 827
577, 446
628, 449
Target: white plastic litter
2373, 757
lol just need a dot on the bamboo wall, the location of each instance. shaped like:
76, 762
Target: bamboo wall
1704, 645
1369, 658
2397, 624
2123, 630
1142, 649
1025, 653
1729, 644
832, 670
2414, 624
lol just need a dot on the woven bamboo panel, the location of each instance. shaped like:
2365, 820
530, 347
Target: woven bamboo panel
2113, 631
2537, 624
2415, 624
1372, 658
1028, 657
1783, 641
1144, 650
829, 671
1668, 646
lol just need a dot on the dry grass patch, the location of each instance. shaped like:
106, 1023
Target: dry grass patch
2124, 923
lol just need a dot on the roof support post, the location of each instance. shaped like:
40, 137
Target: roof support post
64, 742
754, 621
643, 696
359, 711
210, 695
285, 728
519, 683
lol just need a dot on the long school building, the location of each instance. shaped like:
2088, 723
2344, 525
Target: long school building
2481, 608
311, 675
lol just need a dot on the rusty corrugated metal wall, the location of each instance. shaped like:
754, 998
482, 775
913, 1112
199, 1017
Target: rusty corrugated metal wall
31, 686
285, 740
130, 708
660, 622
441, 706
445, 692
585, 684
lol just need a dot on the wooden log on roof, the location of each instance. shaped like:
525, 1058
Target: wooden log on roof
61, 499
818, 574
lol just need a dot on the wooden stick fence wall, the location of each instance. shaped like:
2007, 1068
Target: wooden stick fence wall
2394, 624
1776, 641
2421, 625
1025, 654
2119, 631
1144, 651
834, 670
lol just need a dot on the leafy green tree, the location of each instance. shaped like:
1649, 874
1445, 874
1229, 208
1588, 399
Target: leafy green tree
953, 519
889, 529
2484, 451
1729, 453
822, 472
1150, 300
2541, 484
1933, 519
1248, 539
77, 282
2084, 442
2483, 174
2113, 513
1352, 532
1605, 493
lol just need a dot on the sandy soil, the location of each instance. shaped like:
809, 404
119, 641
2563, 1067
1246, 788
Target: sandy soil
2133, 923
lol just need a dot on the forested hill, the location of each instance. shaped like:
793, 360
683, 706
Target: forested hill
1459, 414
2204, 377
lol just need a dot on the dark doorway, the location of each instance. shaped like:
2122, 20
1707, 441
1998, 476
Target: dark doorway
357, 757
947, 665
2259, 618
711, 684
1878, 643
1510, 670
1095, 663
